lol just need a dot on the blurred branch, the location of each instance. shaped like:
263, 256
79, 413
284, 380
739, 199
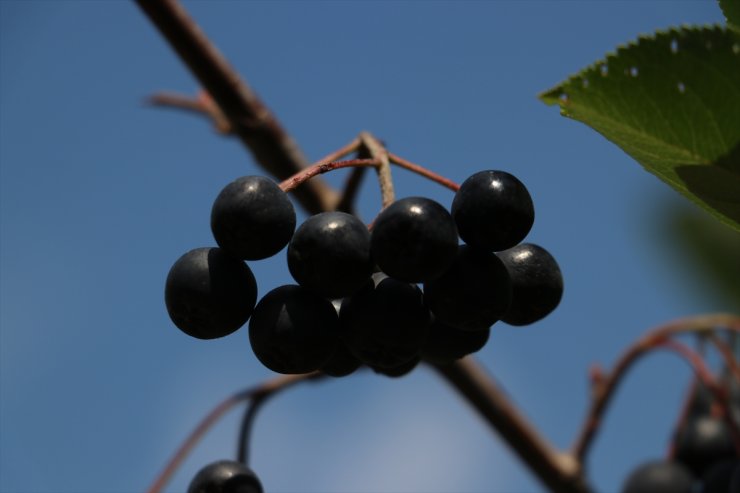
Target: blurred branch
559, 471
249, 118
259, 393
606, 385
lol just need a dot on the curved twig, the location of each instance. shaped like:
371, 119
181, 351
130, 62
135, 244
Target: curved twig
605, 389
261, 391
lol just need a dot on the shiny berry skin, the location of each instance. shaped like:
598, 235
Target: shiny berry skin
209, 294
330, 254
703, 441
473, 294
293, 330
659, 477
384, 325
493, 210
252, 218
414, 239
536, 282
225, 476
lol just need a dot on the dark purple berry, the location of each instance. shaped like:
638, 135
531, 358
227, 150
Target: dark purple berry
225, 476
341, 363
703, 441
659, 477
473, 294
536, 282
384, 325
330, 254
293, 330
492, 210
414, 239
209, 293
445, 344
252, 218
398, 370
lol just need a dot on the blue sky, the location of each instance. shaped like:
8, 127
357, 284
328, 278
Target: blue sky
99, 195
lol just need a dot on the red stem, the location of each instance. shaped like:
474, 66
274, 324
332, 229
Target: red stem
423, 172
303, 176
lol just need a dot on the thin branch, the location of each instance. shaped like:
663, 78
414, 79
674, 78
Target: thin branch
267, 388
604, 392
421, 170
203, 105
250, 119
560, 472
304, 176
245, 432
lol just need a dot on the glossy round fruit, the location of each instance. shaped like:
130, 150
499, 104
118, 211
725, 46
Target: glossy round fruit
536, 282
400, 370
293, 330
445, 344
384, 325
659, 477
703, 441
209, 294
473, 294
330, 254
252, 218
414, 239
225, 476
493, 210
342, 362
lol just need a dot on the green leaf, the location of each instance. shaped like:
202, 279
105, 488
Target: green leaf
672, 102
731, 9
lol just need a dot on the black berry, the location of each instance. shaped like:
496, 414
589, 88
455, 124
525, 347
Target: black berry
536, 282
718, 478
414, 239
384, 325
209, 294
293, 330
252, 218
703, 441
330, 254
399, 370
225, 476
473, 293
445, 344
493, 210
342, 362
659, 477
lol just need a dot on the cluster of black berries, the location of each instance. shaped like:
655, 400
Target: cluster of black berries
403, 292
704, 458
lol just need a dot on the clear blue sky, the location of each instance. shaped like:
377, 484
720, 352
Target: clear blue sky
99, 195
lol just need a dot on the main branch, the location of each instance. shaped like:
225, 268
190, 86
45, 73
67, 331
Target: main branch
249, 118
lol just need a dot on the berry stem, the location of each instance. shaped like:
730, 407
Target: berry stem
259, 392
379, 153
423, 172
303, 176
605, 391
245, 432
